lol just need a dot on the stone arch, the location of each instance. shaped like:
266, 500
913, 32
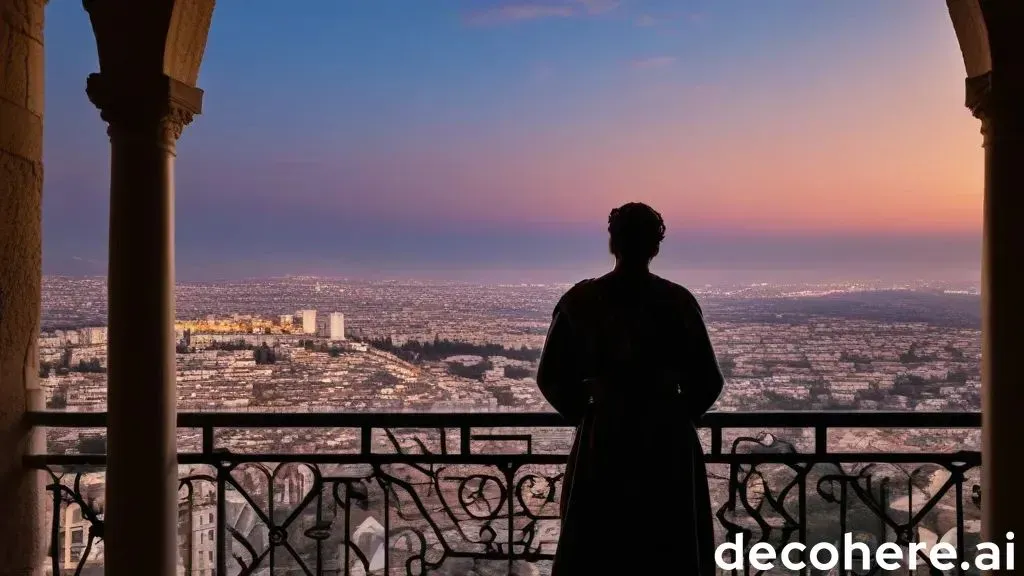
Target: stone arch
989, 34
161, 41
166, 41
972, 35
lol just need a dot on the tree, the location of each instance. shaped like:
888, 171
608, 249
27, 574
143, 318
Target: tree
264, 354
92, 445
440, 349
517, 373
238, 344
384, 378
856, 358
65, 359
505, 397
472, 371
91, 365
956, 375
59, 399
910, 356
262, 391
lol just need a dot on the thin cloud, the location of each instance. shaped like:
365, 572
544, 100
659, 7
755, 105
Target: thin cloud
651, 21
524, 11
647, 21
87, 260
518, 13
599, 6
653, 62
298, 161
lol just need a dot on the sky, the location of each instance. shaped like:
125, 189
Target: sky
488, 139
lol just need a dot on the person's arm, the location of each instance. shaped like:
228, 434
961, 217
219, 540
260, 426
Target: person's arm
707, 379
557, 376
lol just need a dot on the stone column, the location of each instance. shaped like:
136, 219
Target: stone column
149, 56
997, 98
146, 117
21, 185
989, 32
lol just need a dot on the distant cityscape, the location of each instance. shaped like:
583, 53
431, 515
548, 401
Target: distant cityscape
320, 345
316, 344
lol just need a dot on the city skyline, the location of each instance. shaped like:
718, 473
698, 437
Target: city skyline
490, 139
450, 353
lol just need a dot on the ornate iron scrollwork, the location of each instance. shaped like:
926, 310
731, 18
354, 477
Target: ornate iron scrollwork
415, 509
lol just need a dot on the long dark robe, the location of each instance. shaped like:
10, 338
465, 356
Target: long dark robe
629, 360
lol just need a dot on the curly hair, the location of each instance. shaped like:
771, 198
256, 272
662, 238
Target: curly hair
636, 231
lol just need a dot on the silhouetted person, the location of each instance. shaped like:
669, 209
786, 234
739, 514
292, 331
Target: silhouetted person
628, 359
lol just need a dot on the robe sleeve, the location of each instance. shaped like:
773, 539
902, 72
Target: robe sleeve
706, 379
558, 373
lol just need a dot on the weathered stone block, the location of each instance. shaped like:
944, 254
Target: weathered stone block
22, 133
24, 16
14, 62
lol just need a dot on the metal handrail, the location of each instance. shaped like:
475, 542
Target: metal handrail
767, 419
836, 476
464, 423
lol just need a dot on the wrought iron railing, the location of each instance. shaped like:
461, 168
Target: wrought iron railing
362, 494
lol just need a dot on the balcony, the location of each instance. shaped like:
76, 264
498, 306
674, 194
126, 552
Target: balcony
315, 520
478, 493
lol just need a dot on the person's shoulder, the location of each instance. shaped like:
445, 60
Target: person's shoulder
677, 291
671, 287
580, 291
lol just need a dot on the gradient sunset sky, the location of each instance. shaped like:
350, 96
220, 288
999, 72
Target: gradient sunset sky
486, 139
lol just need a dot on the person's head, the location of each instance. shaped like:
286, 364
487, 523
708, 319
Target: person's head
635, 232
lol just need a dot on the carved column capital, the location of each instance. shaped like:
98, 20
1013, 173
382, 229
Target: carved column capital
988, 32
979, 101
157, 107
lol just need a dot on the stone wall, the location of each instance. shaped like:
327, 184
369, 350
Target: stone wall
21, 184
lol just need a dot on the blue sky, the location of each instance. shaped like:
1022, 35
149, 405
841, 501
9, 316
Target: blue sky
406, 137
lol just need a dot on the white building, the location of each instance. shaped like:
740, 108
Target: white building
286, 319
197, 532
74, 537
308, 321
337, 326
95, 335
356, 346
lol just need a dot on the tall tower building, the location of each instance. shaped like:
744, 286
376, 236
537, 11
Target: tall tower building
337, 326
308, 321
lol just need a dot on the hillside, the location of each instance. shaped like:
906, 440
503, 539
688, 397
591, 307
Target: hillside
955, 310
